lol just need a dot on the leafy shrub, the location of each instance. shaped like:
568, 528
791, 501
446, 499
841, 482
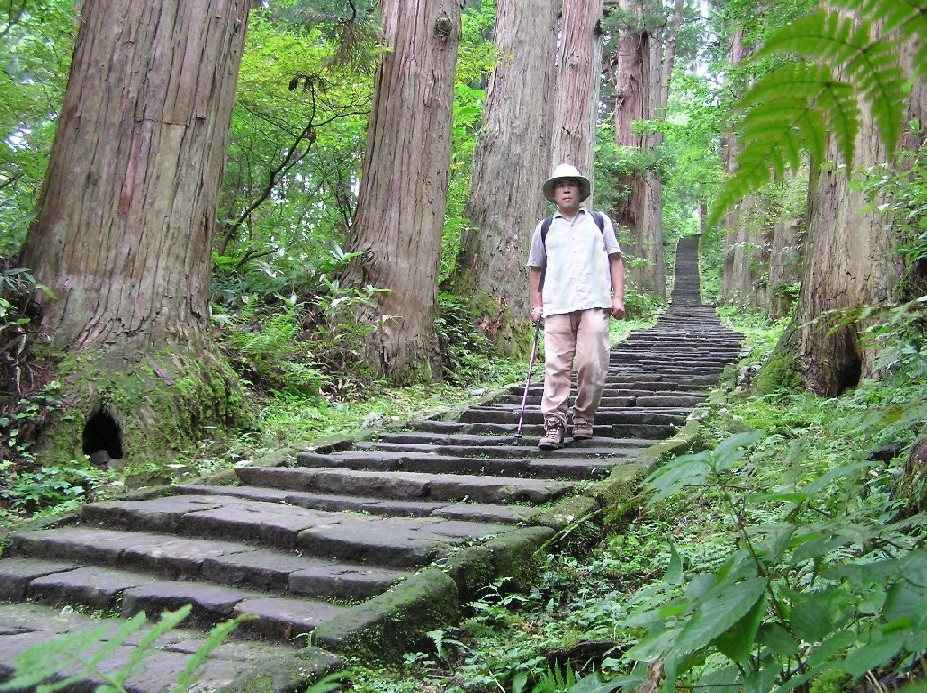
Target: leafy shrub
817, 582
467, 353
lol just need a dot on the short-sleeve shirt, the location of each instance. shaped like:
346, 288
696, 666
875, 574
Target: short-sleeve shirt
575, 261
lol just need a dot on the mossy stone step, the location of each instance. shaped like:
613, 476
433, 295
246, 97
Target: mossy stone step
483, 512
408, 485
227, 563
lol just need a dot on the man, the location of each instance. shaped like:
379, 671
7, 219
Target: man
577, 281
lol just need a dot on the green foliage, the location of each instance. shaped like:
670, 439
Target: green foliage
299, 347
36, 42
815, 583
794, 106
901, 192
92, 652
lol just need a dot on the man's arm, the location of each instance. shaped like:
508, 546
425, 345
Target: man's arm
537, 302
616, 269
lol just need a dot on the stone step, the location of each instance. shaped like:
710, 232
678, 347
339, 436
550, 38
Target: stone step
173, 558
576, 465
234, 665
477, 512
585, 448
603, 418
532, 424
666, 399
395, 542
399, 485
130, 592
612, 390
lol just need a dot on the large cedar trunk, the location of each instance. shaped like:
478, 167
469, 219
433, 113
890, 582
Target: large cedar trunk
640, 78
748, 238
850, 262
127, 215
785, 265
578, 75
505, 201
403, 194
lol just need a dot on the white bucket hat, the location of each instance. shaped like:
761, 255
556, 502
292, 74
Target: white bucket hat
566, 171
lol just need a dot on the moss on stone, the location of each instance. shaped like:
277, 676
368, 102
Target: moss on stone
779, 374
161, 406
395, 622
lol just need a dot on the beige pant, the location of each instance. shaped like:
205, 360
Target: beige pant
582, 335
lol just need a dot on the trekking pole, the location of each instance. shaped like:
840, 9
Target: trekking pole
524, 397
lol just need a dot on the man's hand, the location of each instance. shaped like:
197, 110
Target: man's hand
618, 311
536, 313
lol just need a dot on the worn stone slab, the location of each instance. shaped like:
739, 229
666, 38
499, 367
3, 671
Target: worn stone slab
210, 602
17, 573
674, 400
91, 586
89, 544
246, 520
285, 618
468, 530
498, 490
393, 542
576, 469
343, 581
156, 515
179, 558
258, 493
328, 502
485, 512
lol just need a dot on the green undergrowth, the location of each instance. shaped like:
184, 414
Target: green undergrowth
777, 555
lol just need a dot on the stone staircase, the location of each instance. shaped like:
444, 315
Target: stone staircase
358, 546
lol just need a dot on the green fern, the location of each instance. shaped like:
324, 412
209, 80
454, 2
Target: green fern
788, 112
909, 17
793, 108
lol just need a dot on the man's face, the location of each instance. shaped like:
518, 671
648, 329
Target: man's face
566, 194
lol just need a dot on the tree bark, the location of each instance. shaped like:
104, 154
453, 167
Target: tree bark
641, 80
850, 262
578, 74
504, 201
403, 195
126, 219
748, 236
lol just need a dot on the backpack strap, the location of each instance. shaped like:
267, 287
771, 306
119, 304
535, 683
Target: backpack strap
545, 225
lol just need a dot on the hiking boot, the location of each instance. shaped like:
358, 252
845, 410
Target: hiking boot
554, 432
582, 430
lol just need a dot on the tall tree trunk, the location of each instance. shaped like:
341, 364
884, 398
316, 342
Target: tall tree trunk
578, 78
127, 216
403, 195
850, 262
505, 201
641, 80
748, 238
785, 265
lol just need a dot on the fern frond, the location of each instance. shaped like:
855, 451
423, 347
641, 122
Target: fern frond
875, 70
790, 111
795, 90
842, 115
803, 81
894, 14
820, 35
870, 63
777, 121
751, 174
